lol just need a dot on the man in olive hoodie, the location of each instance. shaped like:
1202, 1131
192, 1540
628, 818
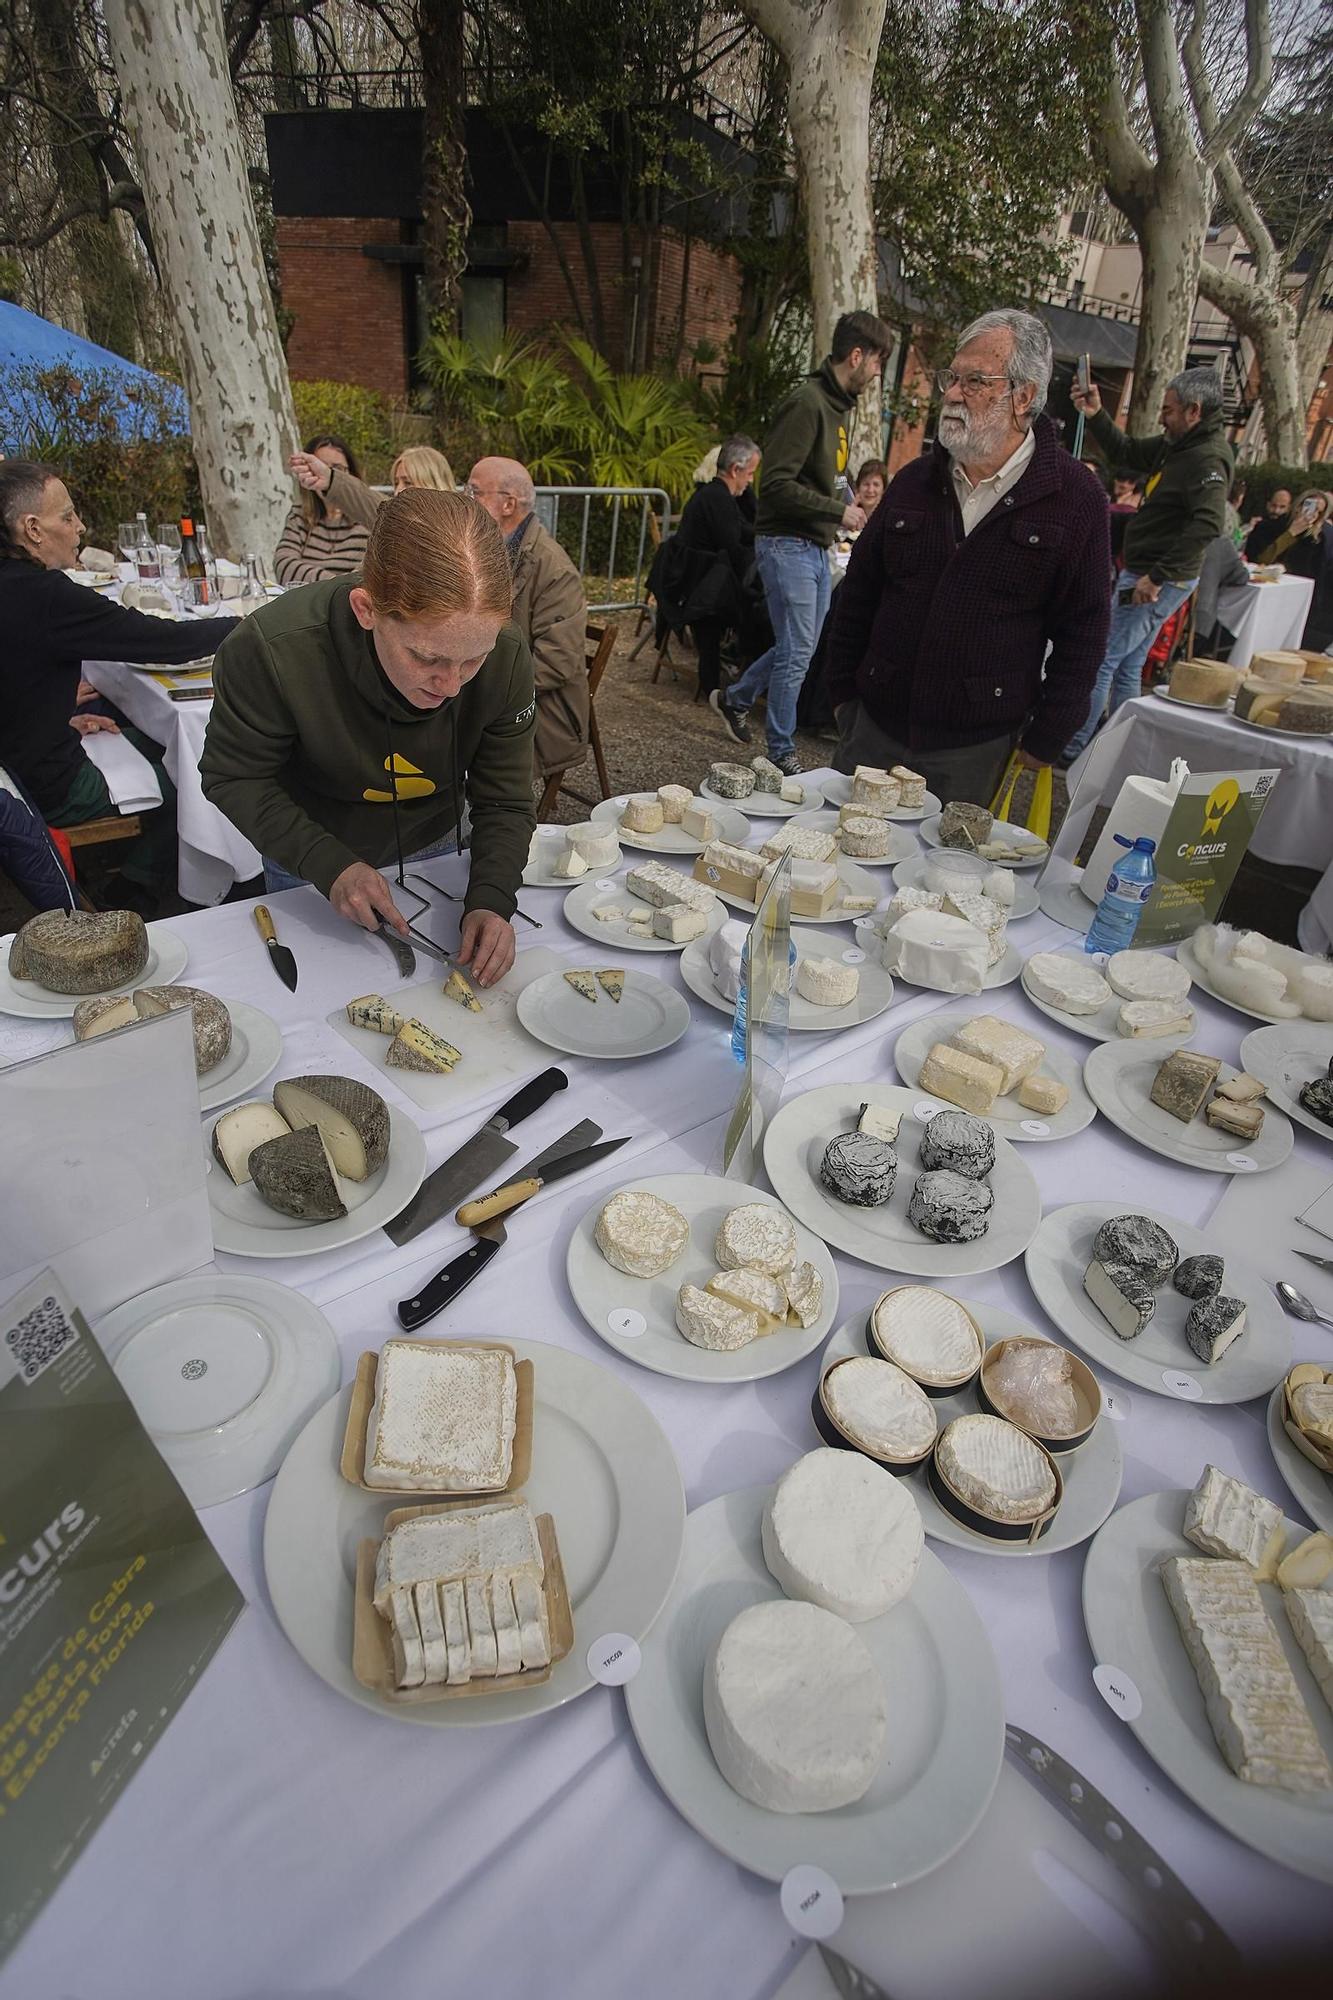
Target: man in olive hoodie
799, 512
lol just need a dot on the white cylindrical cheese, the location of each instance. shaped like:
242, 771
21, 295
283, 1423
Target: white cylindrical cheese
844, 1534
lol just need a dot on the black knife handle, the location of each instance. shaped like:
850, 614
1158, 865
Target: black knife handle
532, 1096
445, 1285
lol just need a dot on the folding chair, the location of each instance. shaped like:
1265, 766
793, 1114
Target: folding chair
601, 643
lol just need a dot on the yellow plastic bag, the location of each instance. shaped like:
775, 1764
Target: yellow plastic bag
1039, 812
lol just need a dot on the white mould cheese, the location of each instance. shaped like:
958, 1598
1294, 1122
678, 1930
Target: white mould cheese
1146, 975
640, 1233
826, 982
844, 1534
712, 1322
761, 1237
409, 1658
597, 843
929, 1335
1142, 1020
1310, 1613
443, 1418
756, 1291
995, 1468
674, 800
1070, 984
653, 882
1225, 1517
794, 1709
879, 1408
451, 1547
805, 1293
931, 948
724, 957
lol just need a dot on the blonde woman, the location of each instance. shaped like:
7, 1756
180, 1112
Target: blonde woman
422, 465
360, 715
322, 537
340, 487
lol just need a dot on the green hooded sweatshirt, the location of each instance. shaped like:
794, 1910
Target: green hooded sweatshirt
1184, 504
305, 724
805, 448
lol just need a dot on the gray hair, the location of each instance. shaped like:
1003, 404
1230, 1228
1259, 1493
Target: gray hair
737, 450
22, 484
1031, 361
1198, 385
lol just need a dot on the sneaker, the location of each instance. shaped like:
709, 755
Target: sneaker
790, 765
734, 720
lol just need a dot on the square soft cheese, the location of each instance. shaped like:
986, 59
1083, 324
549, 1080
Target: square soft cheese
443, 1418
451, 1547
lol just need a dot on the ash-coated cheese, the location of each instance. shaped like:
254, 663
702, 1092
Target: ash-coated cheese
1143, 1020
653, 882
1015, 1052
767, 776
882, 1410
1065, 982
950, 1209
964, 825
640, 1233
644, 813
1225, 1517
960, 1144
1139, 1242
596, 842
716, 1323
1213, 1326
960, 1079
1198, 1277
827, 982
1183, 1081
794, 1709
731, 781
373, 1012
844, 1534
296, 1175
996, 1468
859, 1169
1122, 1294
673, 800
353, 1118
928, 1335
80, 951
1146, 975
867, 839
758, 1237
443, 1418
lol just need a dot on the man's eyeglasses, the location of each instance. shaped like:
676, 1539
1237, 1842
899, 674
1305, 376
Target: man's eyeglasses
971, 384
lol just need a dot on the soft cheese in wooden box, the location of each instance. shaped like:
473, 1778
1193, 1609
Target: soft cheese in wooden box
352, 1463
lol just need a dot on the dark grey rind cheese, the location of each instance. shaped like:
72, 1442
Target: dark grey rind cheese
346, 1102
1213, 1325
1316, 1096
964, 825
767, 777
1183, 1081
295, 1175
80, 951
1141, 1243
958, 1143
731, 781
949, 1208
1199, 1277
859, 1169
1126, 1286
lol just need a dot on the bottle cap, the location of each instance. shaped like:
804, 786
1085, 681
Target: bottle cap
1145, 846
187, 525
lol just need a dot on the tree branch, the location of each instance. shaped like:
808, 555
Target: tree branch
1168, 107
1128, 170
125, 195
1221, 135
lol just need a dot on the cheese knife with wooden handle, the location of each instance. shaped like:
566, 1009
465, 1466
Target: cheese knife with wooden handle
283, 962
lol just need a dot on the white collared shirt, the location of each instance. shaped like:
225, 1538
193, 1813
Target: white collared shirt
977, 501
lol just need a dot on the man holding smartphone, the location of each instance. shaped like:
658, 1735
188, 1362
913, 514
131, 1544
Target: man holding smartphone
1189, 471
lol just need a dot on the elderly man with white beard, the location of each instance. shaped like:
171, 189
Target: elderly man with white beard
973, 615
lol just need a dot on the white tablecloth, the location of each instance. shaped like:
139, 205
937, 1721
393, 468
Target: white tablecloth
1296, 830
281, 1841
214, 856
1265, 617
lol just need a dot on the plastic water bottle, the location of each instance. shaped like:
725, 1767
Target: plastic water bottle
1128, 887
738, 1018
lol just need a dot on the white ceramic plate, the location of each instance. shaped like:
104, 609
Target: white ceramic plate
794, 1145
601, 1467
1007, 1115
550, 846
1131, 1626
1266, 729
946, 1728
1091, 1475
648, 1016
617, 936
838, 791
902, 845
223, 1371
167, 955
637, 1316
1189, 958
1300, 1475
1034, 851
256, 1047
874, 995
765, 805
248, 1227
912, 875
1104, 1025
730, 823
1061, 1253
1284, 1057
1003, 973
1119, 1076
853, 881
1179, 701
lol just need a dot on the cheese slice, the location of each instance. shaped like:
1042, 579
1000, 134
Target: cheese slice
482, 1656
239, 1131
792, 792
754, 1291
612, 981
508, 1643
805, 1293
1310, 1614
1225, 1517
534, 1638
677, 923
430, 1622
879, 1122
717, 1324
372, 1012
1071, 985
459, 989
1145, 1019
844, 1534
990, 1040
409, 1656
583, 982
418, 1047
698, 823
457, 1642
297, 1176
995, 1468
1122, 1295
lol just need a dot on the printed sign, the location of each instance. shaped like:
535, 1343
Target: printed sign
1204, 842
766, 984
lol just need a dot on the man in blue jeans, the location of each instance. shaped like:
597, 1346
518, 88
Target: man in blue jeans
805, 456
1184, 508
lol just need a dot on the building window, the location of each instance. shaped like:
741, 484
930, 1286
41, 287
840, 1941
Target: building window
482, 318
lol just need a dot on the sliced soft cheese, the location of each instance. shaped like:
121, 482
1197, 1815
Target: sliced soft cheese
1225, 1517
430, 1622
457, 1643
534, 1636
715, 1323
1145, 1019
805, 1293
844, 1534
409, 1657
754, 1291
1307, 1566
482, 1656
375, 1013
508, 1643
239, 1131
569, 865
418, 1047
452, 1546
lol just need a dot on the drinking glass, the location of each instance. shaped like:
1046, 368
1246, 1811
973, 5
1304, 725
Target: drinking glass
169, 536
127, 539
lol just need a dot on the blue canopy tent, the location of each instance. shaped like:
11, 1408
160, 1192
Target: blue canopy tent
28, 341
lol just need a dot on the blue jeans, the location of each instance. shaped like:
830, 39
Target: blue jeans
797, 584
1133, 629
276, 877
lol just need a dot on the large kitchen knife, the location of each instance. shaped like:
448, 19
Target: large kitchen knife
283, 962
490, 1235
474, 1162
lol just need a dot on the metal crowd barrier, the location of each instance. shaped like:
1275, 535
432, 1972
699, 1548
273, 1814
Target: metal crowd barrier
630, 521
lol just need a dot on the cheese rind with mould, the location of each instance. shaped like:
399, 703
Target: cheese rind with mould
1225, 1517
296, 1175
79, 951
372, 1011
760, 1237
418, 1047
443, 1418
641, 1234
711, 1322
1146, 975
928, 1335
1070, 985
996, 1468
826, 982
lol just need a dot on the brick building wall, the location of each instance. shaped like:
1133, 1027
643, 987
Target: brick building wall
347, 308
695, 302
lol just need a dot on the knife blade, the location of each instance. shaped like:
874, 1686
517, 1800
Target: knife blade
280, 957
514, 1193
403, 955
1324, 1263
475, 1160
851, 1982
489, 1232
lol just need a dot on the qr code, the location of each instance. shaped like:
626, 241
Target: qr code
1263, 785
40, 1338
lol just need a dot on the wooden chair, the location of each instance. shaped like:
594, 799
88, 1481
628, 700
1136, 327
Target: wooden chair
601, 643
95, 832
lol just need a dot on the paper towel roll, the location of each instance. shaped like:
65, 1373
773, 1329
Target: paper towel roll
1142, 808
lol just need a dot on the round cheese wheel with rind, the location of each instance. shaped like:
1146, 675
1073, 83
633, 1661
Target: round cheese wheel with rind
794, 1708
1146, 975
80, 951
212, 1022
640, 1233
844, 1534
758, 1236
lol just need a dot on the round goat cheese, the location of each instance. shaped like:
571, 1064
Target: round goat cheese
640, 1233
1066, 982
1146, 975
859, 1169
844, 1534
757, 1236
1138, 1241
644, 813
866, 837
949, 1208
211, 1021
794, 1709
80, 951
717, 1323
826, 982
960, 1143
879, 1408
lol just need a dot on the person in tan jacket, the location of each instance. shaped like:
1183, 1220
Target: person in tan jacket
550, 611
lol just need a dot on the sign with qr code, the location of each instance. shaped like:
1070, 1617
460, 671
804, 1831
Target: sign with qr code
112, 1598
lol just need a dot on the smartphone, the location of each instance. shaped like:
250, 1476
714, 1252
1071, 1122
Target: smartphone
1085, 373
1309, 508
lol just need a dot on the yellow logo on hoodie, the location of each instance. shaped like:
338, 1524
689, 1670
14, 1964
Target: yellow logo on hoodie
843, 447
408, 783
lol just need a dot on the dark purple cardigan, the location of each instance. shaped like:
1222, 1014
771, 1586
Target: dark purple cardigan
943, 635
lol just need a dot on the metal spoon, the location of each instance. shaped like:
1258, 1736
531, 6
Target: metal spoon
1298, 1305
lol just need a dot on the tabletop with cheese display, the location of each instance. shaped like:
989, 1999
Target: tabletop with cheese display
285, 1839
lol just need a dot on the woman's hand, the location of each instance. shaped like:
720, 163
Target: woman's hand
89, 725
312, 472
487, 945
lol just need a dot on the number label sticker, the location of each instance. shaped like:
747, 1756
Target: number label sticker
1115, 1402
608, 882
925, 1111
1118, 1691
1242, 1162
811, 1901
626, 1322
1188, 1387
854, 957
1035, 1128
614, 1659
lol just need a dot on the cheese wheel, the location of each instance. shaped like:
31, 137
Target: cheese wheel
640, 1233
844, 1534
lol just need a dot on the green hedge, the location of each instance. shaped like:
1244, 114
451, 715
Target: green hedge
1263, 479
375, 425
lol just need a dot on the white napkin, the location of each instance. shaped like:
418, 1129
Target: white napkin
130, 778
